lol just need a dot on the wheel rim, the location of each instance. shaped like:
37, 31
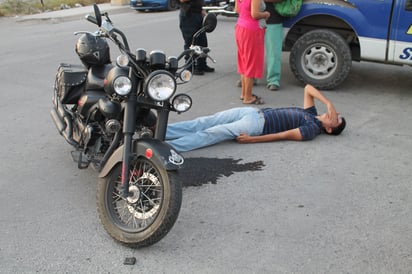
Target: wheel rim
139, 211
319, 61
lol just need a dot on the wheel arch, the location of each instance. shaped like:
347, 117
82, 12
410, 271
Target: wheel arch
334, 23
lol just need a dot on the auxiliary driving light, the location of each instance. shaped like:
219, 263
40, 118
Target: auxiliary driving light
182, 102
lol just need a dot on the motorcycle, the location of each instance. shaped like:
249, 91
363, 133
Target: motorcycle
115, 116
226, 8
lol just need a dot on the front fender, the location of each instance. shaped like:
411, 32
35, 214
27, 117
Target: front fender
157, 151
367, 18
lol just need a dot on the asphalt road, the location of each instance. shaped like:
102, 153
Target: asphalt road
332, 205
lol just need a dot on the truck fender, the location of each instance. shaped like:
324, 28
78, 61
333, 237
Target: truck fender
155, 150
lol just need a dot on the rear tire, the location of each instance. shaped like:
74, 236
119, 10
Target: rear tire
146, 217
321, 58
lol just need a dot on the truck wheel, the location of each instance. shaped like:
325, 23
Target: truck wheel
321, 58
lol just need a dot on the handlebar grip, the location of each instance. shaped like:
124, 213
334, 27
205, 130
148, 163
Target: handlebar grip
91, 19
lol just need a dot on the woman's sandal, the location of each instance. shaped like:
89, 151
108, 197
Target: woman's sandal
257, 101
254, 95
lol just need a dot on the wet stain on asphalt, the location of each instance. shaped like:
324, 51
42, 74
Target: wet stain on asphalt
200, 171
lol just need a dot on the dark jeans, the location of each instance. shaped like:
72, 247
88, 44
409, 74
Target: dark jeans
189, 23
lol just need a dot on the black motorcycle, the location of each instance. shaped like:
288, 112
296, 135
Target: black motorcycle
115, 116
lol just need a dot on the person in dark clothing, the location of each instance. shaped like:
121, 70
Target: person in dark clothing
254, 125
190, 21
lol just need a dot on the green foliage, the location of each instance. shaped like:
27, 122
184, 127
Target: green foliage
20, 7
14, 7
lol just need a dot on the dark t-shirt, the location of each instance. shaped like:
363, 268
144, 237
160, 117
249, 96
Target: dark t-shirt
193, 6
282, 119
274, 18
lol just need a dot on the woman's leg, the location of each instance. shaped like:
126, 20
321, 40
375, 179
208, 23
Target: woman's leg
247, 85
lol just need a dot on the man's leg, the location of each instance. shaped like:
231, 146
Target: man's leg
225, 125
183, 25
183, 128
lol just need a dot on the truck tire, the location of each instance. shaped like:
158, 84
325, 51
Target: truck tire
321, 58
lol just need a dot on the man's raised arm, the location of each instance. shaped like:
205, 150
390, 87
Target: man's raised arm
311, 93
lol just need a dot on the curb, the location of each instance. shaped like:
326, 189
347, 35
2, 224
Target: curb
73, 13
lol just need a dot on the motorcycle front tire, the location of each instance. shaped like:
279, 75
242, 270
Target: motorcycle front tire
149, 213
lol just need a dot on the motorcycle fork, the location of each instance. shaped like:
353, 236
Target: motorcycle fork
128, 131
161, 125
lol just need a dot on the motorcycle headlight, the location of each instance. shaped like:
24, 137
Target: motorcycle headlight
160, 85
122, 85
182, 102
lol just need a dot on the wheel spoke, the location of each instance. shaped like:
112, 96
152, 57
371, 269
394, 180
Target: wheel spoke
151, 209
150, 200
122, 210
138, 211
116, 194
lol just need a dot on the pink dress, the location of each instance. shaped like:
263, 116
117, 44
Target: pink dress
250, 41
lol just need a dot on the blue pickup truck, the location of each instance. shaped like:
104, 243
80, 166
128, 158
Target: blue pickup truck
327, 35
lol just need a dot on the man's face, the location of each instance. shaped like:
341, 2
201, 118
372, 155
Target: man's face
328, 123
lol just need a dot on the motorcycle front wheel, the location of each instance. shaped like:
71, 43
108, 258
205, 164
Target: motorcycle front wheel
149, 213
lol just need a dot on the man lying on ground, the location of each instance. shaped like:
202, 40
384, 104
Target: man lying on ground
254, 125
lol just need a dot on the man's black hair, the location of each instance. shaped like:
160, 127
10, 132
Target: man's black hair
337, 130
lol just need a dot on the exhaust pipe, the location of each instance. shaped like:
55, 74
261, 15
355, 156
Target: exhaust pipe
61, 119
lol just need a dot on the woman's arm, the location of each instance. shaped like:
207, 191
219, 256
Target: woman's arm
256, 12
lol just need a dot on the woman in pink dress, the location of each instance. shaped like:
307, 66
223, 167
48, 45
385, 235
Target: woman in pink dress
250, 35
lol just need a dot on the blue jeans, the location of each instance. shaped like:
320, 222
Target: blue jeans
209, 130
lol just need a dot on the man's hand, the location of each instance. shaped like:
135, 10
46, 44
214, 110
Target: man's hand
310, 93
243, 138
332, 114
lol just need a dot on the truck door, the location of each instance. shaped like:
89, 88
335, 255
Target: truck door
400, 37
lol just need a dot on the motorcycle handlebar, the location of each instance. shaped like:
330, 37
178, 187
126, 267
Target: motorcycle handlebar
125, 43
198, 50
109, 31
91, 19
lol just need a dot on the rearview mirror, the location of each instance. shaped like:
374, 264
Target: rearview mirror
210, 22
98, 15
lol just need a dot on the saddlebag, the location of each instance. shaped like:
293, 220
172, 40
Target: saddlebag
70, 82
